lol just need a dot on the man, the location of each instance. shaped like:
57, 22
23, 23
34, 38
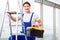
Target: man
29, 18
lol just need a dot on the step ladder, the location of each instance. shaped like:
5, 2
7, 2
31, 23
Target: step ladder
7, 5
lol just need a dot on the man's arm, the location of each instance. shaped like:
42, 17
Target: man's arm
40, 23
13, 18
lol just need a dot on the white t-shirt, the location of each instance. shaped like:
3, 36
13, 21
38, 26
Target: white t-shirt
27, 17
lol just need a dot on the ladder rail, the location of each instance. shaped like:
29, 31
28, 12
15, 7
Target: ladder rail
22, 19
7, 5
9, 20
3, 21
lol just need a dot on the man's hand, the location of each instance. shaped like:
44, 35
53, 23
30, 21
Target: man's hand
11, 17
9, 14
36, 25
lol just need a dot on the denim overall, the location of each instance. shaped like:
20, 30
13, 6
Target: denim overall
26, 24
22, 37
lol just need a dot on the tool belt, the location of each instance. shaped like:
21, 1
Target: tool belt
35, 32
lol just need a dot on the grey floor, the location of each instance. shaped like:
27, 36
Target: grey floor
7, 39
3, 39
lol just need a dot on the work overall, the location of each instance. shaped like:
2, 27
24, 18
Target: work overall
26, 24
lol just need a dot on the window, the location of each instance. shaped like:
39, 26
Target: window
48, 22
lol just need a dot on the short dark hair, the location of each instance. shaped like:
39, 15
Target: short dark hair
26, 3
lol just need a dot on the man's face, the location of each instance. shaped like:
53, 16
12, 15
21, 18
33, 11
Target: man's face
26, 7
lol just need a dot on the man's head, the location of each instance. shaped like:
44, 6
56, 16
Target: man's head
26, 6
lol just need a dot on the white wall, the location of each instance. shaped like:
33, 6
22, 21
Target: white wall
59, 24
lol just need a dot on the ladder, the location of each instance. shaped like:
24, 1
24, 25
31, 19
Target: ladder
7, 5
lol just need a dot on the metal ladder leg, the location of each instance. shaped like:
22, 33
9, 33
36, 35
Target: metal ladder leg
22, 19
3, 21
9, 20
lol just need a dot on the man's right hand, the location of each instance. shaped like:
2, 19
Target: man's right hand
9, 14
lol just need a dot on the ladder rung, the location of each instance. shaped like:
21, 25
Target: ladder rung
15, 25
13, 12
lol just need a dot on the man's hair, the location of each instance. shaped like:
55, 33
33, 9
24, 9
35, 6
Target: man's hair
26, 3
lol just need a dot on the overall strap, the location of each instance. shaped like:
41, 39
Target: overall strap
31, 16
22, 14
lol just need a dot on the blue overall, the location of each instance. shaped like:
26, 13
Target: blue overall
26, 24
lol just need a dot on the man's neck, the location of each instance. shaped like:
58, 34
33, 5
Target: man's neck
28, 12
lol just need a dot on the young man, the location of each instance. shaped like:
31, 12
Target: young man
29, 18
